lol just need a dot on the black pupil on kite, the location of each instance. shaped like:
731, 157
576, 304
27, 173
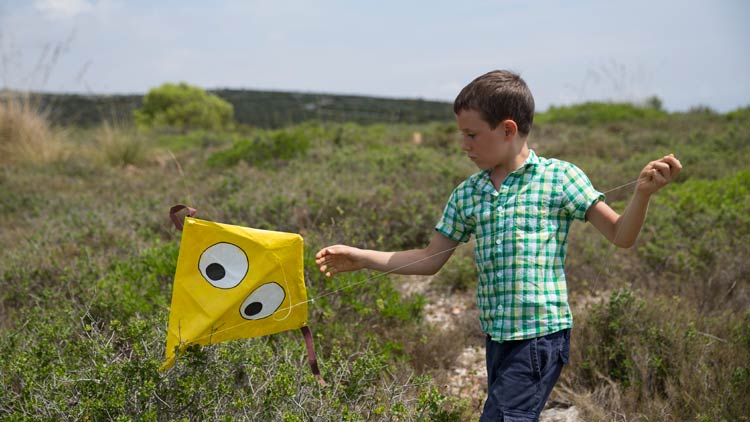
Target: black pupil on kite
253, 308
215, 271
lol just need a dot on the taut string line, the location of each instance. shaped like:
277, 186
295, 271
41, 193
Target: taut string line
383, 274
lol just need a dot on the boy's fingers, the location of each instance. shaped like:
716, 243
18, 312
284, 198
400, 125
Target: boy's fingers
662, 168
672, 161
658, 177
328, 270
674, 164
329, 250
324, 256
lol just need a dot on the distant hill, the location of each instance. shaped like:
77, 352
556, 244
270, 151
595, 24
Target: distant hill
266, 109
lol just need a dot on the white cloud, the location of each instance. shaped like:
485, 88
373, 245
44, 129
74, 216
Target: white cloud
62, 9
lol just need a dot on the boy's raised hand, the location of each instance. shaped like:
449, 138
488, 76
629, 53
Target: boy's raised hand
338, 259
657, 174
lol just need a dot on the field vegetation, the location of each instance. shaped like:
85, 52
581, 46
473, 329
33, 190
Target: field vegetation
87, 257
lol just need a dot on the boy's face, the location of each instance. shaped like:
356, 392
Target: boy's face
486, 147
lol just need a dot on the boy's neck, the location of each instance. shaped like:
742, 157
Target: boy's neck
517, 159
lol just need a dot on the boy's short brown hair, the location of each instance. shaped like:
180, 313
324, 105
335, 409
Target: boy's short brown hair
497, 96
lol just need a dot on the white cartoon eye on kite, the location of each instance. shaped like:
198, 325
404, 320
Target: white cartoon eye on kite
262, 302
223, 265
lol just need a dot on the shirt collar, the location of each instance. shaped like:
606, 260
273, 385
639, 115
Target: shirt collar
531, 160
486, 184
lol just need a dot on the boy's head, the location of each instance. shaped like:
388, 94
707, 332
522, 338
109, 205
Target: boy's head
498, 95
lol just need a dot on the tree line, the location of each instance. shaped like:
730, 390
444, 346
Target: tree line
264, 109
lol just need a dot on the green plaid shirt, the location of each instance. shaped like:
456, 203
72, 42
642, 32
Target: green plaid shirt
521, 233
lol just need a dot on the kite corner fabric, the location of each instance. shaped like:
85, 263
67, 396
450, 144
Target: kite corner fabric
234, 282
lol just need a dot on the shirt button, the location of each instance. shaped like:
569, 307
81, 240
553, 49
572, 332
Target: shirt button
498, 241
499, 273
499, 308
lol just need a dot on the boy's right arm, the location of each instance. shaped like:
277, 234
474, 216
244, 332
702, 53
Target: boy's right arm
427, 261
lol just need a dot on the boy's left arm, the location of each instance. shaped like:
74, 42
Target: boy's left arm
622, 230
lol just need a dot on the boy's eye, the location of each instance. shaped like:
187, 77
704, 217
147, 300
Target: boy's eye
464, 135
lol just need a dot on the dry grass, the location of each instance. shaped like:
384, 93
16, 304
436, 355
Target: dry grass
25, 134
120, 146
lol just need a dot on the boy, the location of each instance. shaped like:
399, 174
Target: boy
519, 207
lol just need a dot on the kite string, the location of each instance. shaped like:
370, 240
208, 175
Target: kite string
383, 274
632, 182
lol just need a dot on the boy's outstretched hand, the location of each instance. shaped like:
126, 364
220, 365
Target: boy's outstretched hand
338, 259
657, 174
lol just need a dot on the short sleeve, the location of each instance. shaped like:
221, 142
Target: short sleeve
578, 193
453, 224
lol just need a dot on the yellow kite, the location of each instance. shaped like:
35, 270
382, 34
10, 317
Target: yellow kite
235, 282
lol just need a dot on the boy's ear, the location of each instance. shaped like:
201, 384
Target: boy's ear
510, 128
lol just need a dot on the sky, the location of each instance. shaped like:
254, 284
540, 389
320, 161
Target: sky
689, 53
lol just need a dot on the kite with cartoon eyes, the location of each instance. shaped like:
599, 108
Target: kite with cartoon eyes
235, 282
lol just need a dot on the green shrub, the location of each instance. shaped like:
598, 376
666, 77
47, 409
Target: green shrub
592, 113
741, 114
137, 286
194, 139
610, 323
183, 107
442, 136
268, 146
660, 352
697, 234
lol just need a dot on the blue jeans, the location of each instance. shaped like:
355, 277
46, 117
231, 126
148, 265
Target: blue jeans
521, 374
